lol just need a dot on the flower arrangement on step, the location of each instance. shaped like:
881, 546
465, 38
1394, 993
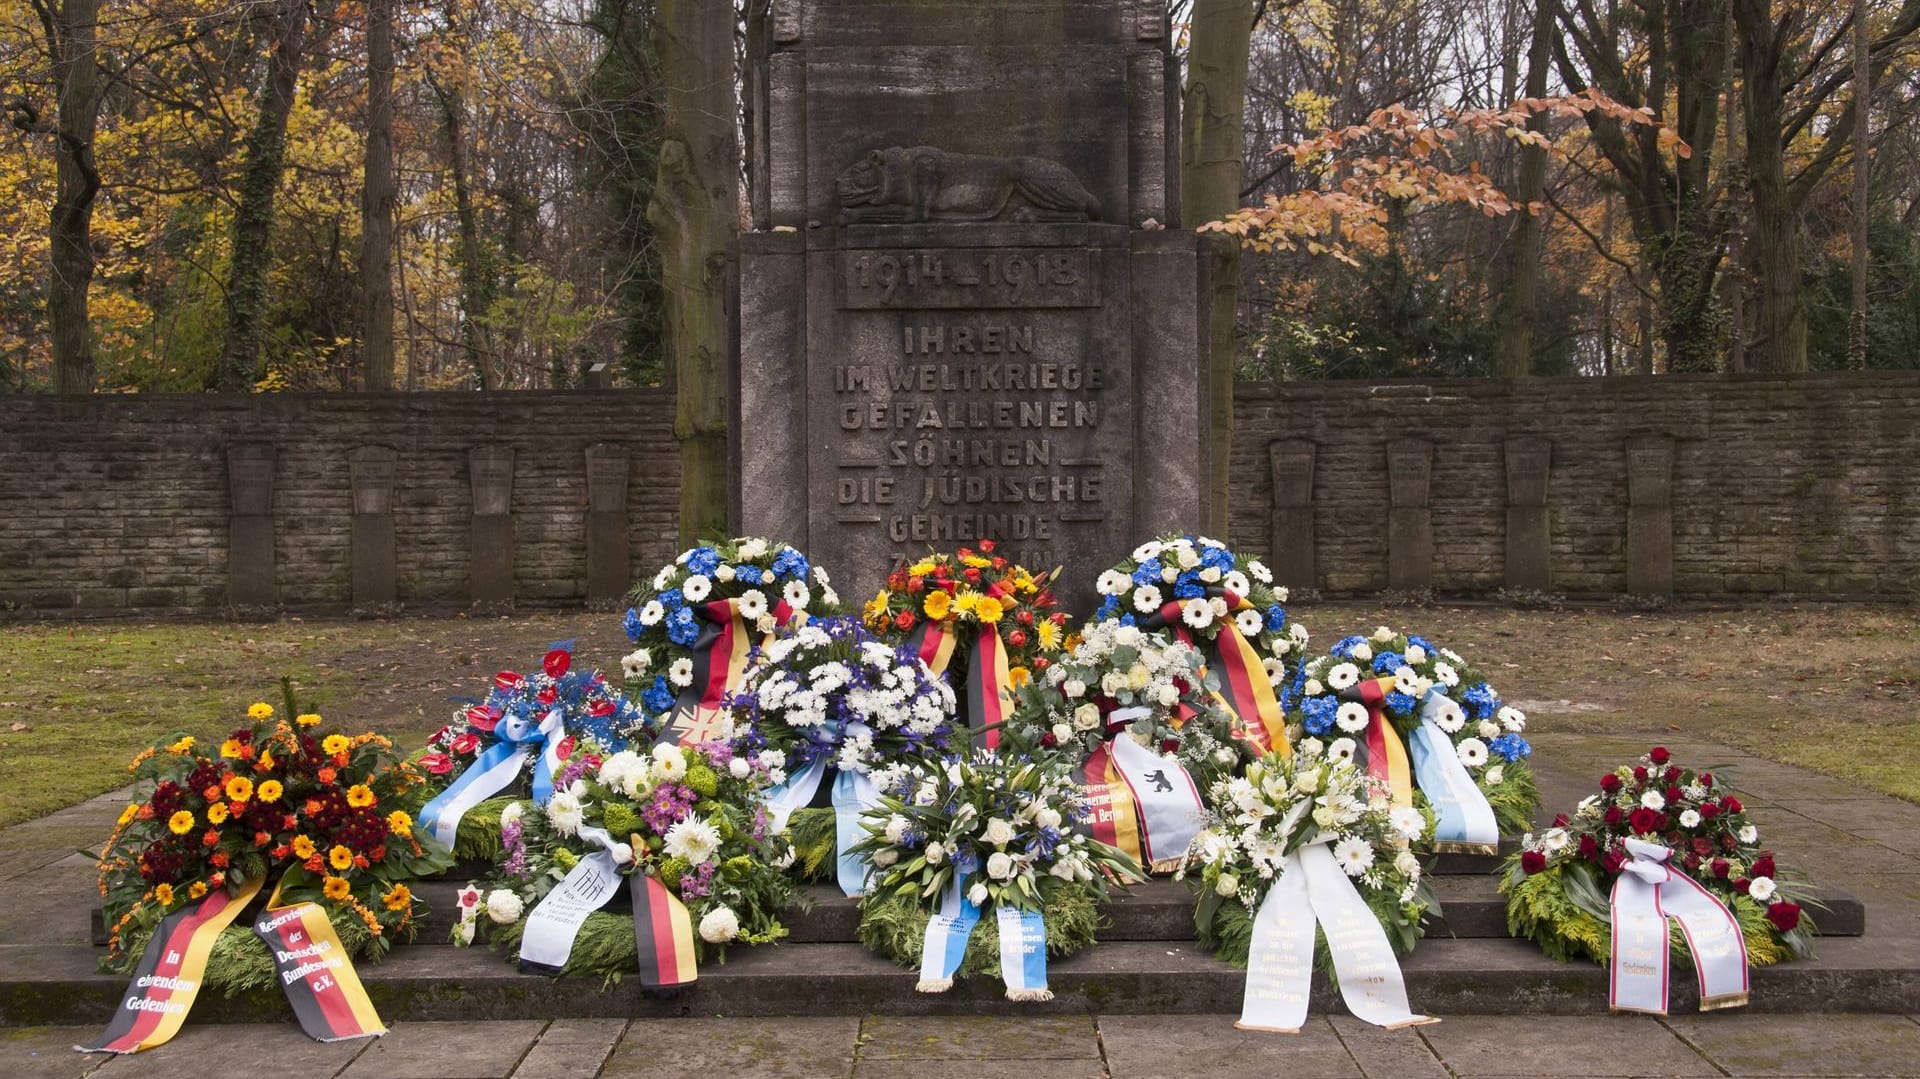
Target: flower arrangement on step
1303, 841
1418, 716
986, 622
1130, 714
683, 829
832, 709
292, 806
697, 621
511, 745
1197, 590
1658, 835
950, 840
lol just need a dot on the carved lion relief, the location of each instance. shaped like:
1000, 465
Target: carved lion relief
909, 184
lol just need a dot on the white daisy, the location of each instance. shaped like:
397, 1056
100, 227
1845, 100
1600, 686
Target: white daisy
680, 672
1689, 819
1352, 717
1761, 888
1147, 550
1653, 800
1112, 583
1298, 631
1472, 751
1749, 834
1259, 571
1197, 613
697, 588
635, 663
1407, 681
1343, 676
753, 605
1444, 674
652, 613
1250, 623
1409, 822
1341, 749
796, 595
1146, 599
1354, 855
1513, 719
1237, 583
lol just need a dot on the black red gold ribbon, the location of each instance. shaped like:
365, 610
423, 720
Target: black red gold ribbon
1245, 691
663, 935
719, 667
167, 980
1380, 750
1112, 816
315, 972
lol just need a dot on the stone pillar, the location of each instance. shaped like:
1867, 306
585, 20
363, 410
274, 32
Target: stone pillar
375, 578
1170, 469
1650, 515
250, 576
1529, 557
608, 576
490, 568
1291, 464
1410, 520
772, 427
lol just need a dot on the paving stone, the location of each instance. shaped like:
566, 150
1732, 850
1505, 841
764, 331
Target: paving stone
1490, 1045
1004, 1069
810, 1048
1778, 1045
1208, 1045
978, 1037
47, 1052
1388, 1054
571, 1049
447, 1051
214, 1048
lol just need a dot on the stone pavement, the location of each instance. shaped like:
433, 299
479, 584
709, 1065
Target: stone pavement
1121, 1046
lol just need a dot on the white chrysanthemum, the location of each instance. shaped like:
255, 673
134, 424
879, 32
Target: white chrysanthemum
1259, 571
680, 672
697, 588
1409, 822
1352, 717
1472, 751
1197, 613
796, 595
1354, 855
635, 663
669, 762
652, 613
566, 812
1146, 599
693, 838
1250, 623
513, 812
720, 925
624, 771
504, 906
1653, 800
753, 605
1761, 888
1749, 834
1343, 676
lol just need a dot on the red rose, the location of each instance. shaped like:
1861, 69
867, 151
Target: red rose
1693, 861
964, 553
1169, 745
1659, 755
1703, 846
437, 763
1674, 794
1610, 783
1785, 916
1720, 867
1709, 810
557, 662
1042, 663
1673, 775
1612, 861
1017, 639
1589, 848
1560, 820
1639, 774
1025, 617
1763, 866
1532, 861
1049, 740
916, 585
1613, 816
999, 563
1740, 885
1706, 779
1644, 821
1731, 804
972, 574
988, 545
903, 620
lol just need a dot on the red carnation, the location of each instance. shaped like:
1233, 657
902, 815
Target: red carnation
988, 545
1763, 866
1785, 916
1720, 867
557, 662
1740, 885
1703, 846
1532, 861
1659, 755
1610, 783
1644, 821
1169, 745
1025, 617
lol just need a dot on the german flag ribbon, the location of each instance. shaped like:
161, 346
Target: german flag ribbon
1244, 689
719, 666
663, 935
989, 685
316, 973
1112, 816
167, 980
1381, 750
933, 642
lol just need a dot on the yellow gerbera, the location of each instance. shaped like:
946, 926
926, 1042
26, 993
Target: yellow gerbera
977, 562
265, 763
184, 745
340, 857
921, 568
307, 719
876, 608
1048, 635
259, 710
938, 605
336, 888
400, 824
303, 847
230, 749
217, 813
360, 796
164, 893
180, 823
398, 898
127, 814
198, 890
988, 610
269, 790
334, 744
239, 788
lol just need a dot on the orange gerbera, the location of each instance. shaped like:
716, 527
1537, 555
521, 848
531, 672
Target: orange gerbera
303, 847
336, 888
398, 898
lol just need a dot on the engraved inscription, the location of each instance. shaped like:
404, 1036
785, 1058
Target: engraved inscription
967, 278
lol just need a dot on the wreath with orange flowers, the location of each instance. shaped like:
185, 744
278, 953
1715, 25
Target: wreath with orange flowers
970, 590
326, 815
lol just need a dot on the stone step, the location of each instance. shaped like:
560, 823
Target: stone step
59, 985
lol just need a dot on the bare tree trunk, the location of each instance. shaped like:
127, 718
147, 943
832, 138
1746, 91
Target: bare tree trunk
1862, 158
1212, 168
1781, 318
1734, 281
377, 198
696, 211
476, 273
238, 366
71, 32
1521, 302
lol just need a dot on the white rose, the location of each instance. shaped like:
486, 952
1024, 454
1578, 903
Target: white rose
1000, 865
1086, 717
896, 828
504, 906
622, 853
1313, 688
1362, 651
977, 894
1495, 775
885, 857
1382, 635
1489, 729
1227, 885
998, 833
1062, 732
936, 853
719, 926
1074, 687
1047, 818
1416, 654
1211, 575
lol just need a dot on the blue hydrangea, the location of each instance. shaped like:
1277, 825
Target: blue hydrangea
1432, 650
672, 599
1127, 619
1388, 662
790, 563
681, 628
1319, 712
1185, 589
659, 697
703, 560
1148, 573
1276, 618
1291, 692
631, 623
1217, 557
1511, 746
1400, 704
1108, 608
1343, 648
1480, 701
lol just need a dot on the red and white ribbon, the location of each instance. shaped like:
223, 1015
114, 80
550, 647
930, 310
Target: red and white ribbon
1649, 891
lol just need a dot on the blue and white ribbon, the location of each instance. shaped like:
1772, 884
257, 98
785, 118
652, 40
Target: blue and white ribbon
794, 793
1023, 953
1463, 819
945, 944
1647, 893
496, 768
853, 794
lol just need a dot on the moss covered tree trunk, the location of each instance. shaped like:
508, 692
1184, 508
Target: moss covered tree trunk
696, 212
1780, 339
1212, 169
77, 88
266, 149
377, 204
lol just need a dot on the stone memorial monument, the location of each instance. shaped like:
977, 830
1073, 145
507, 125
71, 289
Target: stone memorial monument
967, 308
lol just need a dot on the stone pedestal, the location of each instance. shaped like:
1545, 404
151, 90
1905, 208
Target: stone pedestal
1650, 515
608, 575
375, 577
490, 475
250, 560
1291, 464
1410, 518
1529, 548
968, 313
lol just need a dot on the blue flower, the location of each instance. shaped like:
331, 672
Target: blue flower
1276, 618
672, 599
1343, 649
1319, 713
1424, 643
1148, 573
1399, 703
1481, 701
1217, 557
659, 698
631, 623
1511, 746
1388, 662
790, 563
1108, 608
681, 629
1291, 692
1189, 590
703, 560
1127, 619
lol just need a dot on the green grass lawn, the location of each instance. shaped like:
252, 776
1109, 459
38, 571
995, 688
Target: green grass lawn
1831, 688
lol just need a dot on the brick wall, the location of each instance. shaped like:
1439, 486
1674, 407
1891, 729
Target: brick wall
122, 501
1807, 485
